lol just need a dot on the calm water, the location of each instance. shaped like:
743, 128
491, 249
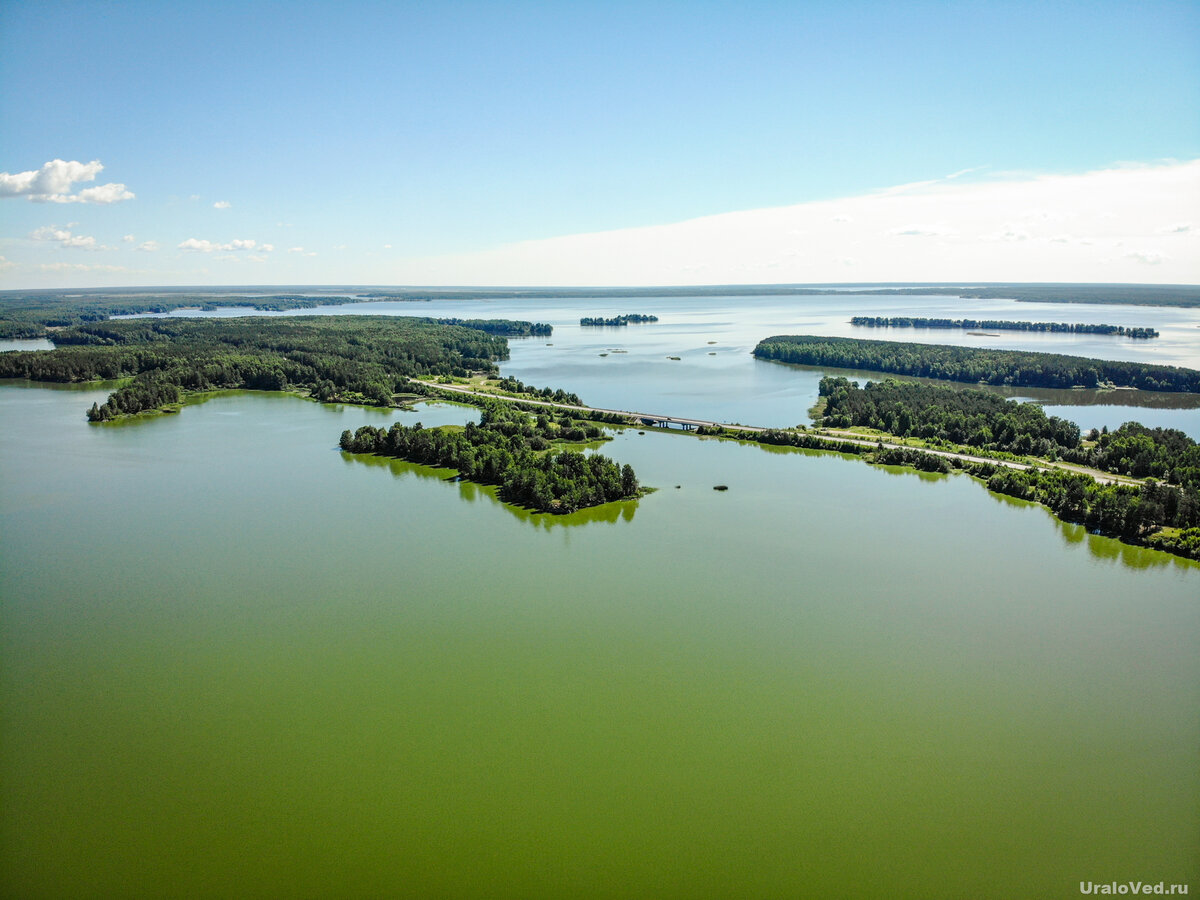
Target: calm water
716, 378
236, 662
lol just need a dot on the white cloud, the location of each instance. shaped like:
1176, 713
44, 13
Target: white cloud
148, 246
129, 238
6, 263
199, 245
104, 193
53, 182
991, 228
841, 217
204, 246
1177, 228
65, 238
222, 204
267, 248
295, 249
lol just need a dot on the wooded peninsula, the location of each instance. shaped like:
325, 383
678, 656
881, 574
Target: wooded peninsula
1002, 325
1011, 367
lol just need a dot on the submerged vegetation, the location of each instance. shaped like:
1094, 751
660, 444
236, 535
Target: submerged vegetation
1002, 325
513, 450
1008, 367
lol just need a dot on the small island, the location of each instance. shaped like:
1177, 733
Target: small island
980, 326
617, 321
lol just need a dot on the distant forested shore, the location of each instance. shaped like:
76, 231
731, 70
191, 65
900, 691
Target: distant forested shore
968, 364
1002, 325
31, 313
34, 315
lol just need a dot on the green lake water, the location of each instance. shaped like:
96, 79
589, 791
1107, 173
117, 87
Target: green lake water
237, 662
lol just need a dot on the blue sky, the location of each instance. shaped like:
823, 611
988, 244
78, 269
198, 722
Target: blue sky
392, 143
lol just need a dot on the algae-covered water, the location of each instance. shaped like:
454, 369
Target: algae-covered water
236, 662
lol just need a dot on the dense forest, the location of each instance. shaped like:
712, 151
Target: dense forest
346, 358
514, 450
963, 416
617, 321
1002, 325
968, 364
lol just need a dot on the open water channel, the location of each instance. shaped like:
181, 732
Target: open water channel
237, 662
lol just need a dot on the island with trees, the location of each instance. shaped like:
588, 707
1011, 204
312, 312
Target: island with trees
1002, 325
967, 364
617, 321
515, 450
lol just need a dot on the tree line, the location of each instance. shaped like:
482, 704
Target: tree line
1002, 325
969, 364
513, 450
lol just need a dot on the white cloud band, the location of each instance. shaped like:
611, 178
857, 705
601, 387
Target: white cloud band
53, 183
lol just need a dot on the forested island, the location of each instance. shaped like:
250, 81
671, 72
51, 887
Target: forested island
1002, 325
968, 364
513, 450
617, 321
